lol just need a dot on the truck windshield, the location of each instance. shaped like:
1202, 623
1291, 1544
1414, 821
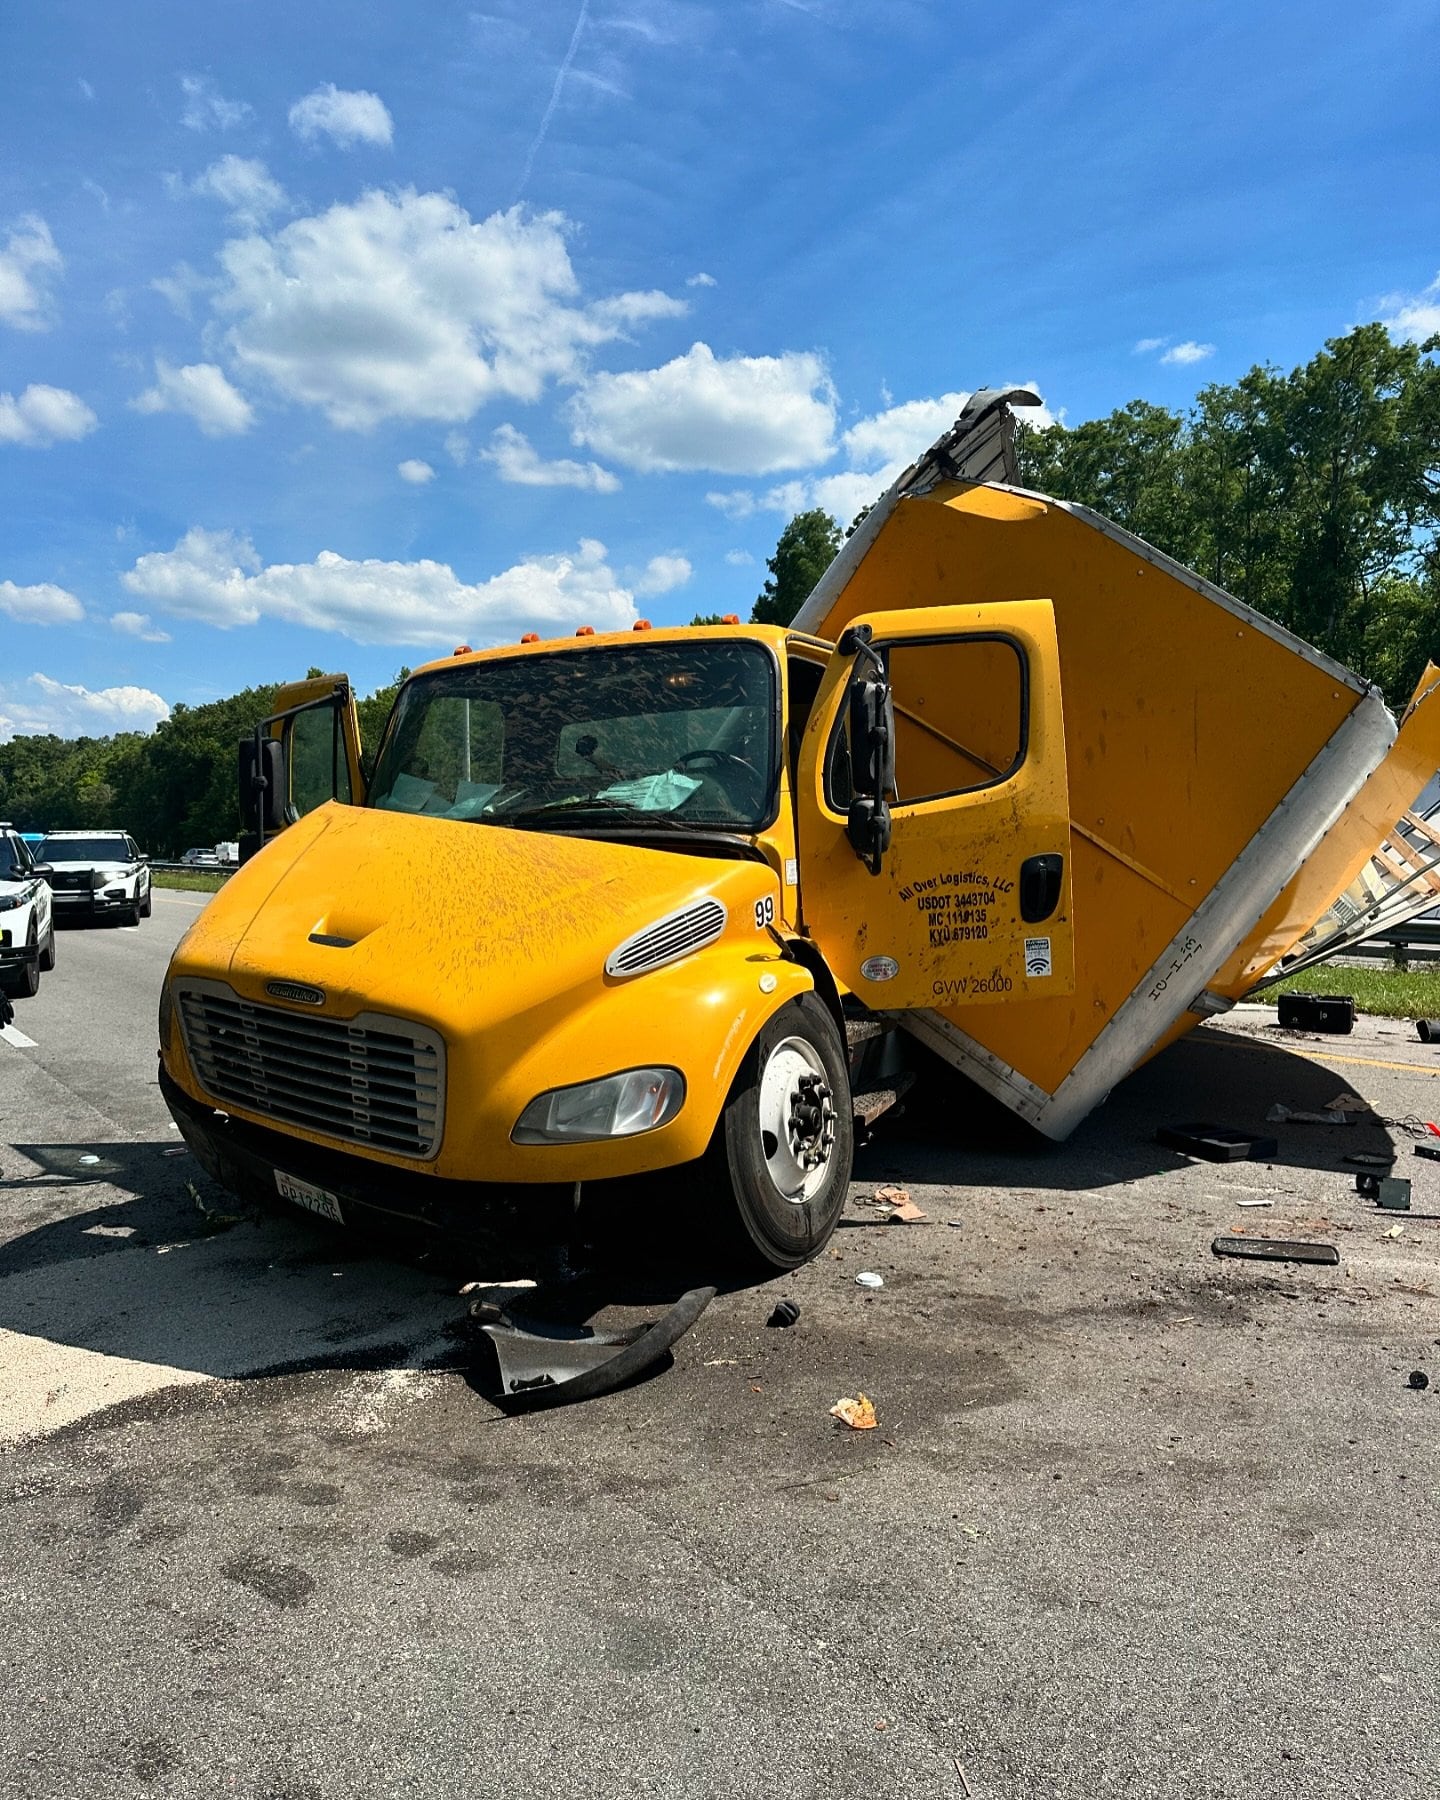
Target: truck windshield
85, 849
668, 735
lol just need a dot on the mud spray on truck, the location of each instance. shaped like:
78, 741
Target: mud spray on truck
1014, 786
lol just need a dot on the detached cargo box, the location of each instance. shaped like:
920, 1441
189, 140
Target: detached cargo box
1227, 781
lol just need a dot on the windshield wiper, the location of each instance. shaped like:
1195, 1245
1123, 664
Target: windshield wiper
619, 809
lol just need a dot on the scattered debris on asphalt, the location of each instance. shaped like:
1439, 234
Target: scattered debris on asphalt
1396, 1231
956, 1224
1428, 1030
889, 1196
894, 1203
867, 1278
1388, 1191
1275, 1249
785, 1314
1380, 1162
544, 1364
1333, 1013
1254, 1202
908, 1213
858, 1414
1431, 1152
1419, 1380
1217, 1143
1280, 1114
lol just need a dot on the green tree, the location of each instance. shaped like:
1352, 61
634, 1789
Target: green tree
806, 549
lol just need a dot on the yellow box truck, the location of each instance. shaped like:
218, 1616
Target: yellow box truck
1014, 785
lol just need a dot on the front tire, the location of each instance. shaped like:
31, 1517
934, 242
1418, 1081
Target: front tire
24, 982
781, 1156
47, 955
145, 905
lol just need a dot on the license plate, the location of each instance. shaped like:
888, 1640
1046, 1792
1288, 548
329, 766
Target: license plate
313, 1199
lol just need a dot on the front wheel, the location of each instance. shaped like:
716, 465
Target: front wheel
47, 953
24, 982
780, 1159
145, 905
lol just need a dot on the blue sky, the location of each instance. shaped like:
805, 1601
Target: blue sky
342, 335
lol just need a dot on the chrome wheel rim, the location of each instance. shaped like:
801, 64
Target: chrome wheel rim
797, 1120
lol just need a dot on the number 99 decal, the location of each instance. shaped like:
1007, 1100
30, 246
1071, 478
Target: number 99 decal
764, 912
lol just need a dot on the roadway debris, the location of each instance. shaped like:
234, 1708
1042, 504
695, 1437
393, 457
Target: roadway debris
1428, 1030
1217, 1143
1260, 1249
1280, 1114
1391, 1192
785, 1314
1317, 1012
867, 1278
1419, 1381
550, 1364
858, 1414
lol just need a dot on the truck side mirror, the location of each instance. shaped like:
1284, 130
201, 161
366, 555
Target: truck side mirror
872, 761
262, 784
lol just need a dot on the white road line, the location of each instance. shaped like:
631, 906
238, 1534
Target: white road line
13, 1035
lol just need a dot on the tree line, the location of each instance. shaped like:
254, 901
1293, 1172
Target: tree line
1312, 496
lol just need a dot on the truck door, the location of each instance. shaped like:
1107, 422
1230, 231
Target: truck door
317, 730
970, 904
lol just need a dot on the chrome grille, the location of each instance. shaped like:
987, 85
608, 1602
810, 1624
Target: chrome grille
668, 939
371, 1080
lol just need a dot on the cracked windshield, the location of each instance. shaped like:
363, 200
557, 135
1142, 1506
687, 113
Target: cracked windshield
674, 734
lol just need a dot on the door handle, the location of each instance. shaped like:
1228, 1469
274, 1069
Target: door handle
1041, 879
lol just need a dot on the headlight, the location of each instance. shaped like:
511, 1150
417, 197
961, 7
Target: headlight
8, 902
615, 1106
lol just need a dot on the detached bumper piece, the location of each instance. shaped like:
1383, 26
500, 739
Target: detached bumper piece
542, 1365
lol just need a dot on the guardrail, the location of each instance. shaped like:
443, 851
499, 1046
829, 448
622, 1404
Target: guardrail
190, 868
1419, 941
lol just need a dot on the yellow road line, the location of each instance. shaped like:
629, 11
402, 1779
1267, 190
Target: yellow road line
1371, 1062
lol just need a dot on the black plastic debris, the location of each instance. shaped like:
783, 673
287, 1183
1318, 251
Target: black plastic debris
1317, 1012
1260, 1249
552, 1365
1419, 1381
1388, 1191
1428, 1030
1431, 1152
1217, 1143
785, 1314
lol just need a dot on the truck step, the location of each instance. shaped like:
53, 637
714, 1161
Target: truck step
869, 1107
867, 1026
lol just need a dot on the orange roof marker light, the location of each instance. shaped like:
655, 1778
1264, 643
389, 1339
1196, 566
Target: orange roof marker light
641, 625
531, 637
729, 618
462, 650
584, 631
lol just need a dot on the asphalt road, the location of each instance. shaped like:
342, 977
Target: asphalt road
1136, 1520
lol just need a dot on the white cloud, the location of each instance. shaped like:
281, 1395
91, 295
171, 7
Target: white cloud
202, 393
401, 306
181, 286
1188, 352
206, 108
895, 437
739, 559
1148, 346
517, 461
27, 260
878, 449
244, 185
414, 471
41, 707
42, 416
744, 415
348, 118
457, 448
217, 577
1414, 316
701, 280
43, 604
662, 575
137, 625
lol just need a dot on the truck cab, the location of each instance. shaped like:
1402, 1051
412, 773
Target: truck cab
616, 904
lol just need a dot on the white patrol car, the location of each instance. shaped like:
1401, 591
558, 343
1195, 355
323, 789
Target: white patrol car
96, 875
27, 920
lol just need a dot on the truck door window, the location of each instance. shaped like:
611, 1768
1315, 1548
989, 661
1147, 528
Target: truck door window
315, 755
961, 711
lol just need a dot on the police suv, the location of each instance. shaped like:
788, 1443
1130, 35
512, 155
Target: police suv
27, 921
97, 874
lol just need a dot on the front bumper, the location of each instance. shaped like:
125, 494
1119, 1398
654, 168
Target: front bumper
87, 903
373, 1197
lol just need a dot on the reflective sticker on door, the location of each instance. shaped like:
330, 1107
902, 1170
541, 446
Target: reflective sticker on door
1037, 957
